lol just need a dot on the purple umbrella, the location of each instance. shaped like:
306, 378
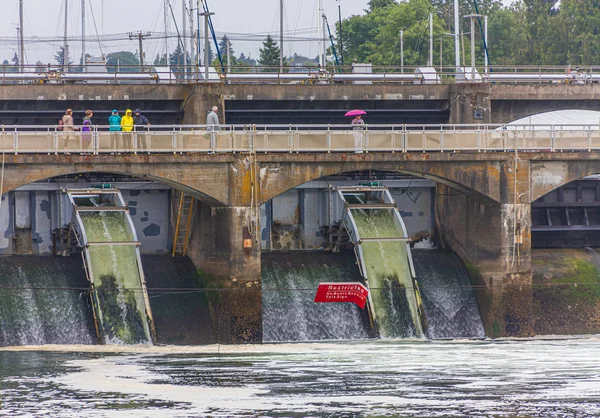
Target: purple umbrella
355, 113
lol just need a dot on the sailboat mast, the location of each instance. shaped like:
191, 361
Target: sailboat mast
166, 2
320, 34
21, 39
83, 52
65, 44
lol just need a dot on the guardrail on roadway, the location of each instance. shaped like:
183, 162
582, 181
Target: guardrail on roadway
300, 138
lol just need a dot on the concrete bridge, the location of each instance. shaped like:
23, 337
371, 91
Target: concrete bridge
483, 196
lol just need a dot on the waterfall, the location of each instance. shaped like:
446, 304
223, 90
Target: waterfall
121, 306
43, 301
448, 299
290, 281
388, 273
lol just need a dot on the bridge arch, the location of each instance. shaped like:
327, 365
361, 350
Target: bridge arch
185, 177
547, 176
480, 180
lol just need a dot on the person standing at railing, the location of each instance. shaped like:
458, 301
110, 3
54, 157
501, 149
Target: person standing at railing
114, 122
358, 126
213, 126
127, 126
141, 121
86, 130
68, 128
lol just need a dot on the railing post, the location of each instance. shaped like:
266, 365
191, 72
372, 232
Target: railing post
404, 139
589, 137
95, 140
442, 147
174, 140
16, 140
134, 140
478, 138
552, 138
290, 139
366, 144
328, 139
55, 141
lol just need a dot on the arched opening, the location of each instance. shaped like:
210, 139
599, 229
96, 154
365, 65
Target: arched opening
45, 284
565, 258
300, 230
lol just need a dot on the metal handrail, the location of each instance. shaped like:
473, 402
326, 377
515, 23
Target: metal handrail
30, 139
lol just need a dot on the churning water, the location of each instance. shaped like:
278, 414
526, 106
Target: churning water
117, 278
366, 379
450, 306
43, 300
389, 275
289, 283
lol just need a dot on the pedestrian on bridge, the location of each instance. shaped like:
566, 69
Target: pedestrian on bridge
213, 126
68, 128
127, 126
114, 122
86, 130
141, 121
358, 126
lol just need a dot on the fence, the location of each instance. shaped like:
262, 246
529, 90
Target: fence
300, 138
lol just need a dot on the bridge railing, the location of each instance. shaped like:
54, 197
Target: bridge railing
300, 138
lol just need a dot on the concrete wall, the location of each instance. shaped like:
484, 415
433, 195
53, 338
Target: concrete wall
29, 217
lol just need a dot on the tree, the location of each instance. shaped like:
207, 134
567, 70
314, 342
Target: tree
160, 61
59, 56
377, 4
223, 46
123, 62
269, 53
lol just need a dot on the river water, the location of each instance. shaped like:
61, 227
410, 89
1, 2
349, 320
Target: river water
550, 378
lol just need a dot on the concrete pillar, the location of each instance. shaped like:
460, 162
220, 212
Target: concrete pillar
470, 104
200, 101
495, 243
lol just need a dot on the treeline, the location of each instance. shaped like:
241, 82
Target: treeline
528, 32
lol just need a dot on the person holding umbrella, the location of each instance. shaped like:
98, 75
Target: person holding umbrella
358, 126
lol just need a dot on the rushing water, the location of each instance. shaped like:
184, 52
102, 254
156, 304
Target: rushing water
389, 276
368, 379
450, 306
43, 301
289, 283
117, 278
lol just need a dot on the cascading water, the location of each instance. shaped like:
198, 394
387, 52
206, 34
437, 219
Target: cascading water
117, 279
289, 282
43, 301
388, 273
448, 299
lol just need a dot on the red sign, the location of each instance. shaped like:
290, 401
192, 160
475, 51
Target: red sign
342, 292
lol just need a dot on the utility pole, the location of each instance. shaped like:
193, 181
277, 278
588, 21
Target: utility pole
472, 17
65, 44
487, 59
184, 40
206, 44
228, 57
166, 33
320, 34
192, 37
402, 51
281, 36
83, 53
456, 34
341, 33
21, 39
431, 39
140, 37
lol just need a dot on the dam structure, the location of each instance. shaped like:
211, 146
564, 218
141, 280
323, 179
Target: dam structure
232, 218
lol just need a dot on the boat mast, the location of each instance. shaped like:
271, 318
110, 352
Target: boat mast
65, 62
21, 39
184, 40
166, 2
320, 35
83, 53
456, 34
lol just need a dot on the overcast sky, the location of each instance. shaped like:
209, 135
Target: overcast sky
45, 19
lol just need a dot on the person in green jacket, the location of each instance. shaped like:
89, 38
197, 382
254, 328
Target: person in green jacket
114, 122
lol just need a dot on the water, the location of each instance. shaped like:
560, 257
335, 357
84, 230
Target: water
117, 279
389, 276
43, 302
290, 281
367, 379
450, 306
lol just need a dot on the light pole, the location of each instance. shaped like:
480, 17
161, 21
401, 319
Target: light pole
472, 17
341, 33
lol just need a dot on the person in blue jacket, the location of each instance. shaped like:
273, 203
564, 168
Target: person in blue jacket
114, 122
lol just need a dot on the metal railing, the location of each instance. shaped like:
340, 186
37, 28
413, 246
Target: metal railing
179, 74
300, 138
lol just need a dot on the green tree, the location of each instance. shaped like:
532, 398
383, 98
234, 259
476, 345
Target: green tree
59, 56
123, 61
269, 53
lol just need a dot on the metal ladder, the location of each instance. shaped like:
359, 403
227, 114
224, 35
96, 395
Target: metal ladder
183, 223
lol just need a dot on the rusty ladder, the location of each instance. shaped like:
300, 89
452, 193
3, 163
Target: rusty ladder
183, 223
